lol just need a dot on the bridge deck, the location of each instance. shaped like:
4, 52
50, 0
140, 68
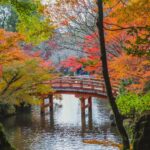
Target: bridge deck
84, 88
81, 85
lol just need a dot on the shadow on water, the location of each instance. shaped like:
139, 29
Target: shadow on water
62, 130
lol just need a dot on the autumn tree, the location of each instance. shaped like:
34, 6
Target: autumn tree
122, 69
23, 82
73, 23
122, 26
118, 117
22, 77
110, 14
20, 72
9, 48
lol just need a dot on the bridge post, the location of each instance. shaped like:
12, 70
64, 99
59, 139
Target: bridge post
42, 107
90, 112
90, 104
82, 99
51, 103
50, 97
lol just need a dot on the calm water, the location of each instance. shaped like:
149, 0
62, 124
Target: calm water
64, 131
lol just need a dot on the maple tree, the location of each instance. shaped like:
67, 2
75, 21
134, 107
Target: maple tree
23, 82
128, 31
122, 69
72, 63
22, 76
111, 98
74, 22
9, 48
20, 72
130, 36
120, 46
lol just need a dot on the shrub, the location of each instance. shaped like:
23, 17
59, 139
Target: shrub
131, 104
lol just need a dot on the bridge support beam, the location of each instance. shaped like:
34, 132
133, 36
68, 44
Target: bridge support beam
42, 107
83, 108
90, 122
90, 104
49, 104
82, 99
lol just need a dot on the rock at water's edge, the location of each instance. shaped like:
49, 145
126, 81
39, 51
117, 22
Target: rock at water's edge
142, 133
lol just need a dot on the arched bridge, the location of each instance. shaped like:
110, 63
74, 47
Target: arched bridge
81, 85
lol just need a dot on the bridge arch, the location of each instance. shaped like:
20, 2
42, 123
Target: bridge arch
82, 87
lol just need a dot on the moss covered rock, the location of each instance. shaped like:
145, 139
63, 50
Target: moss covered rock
4, 144
142, 133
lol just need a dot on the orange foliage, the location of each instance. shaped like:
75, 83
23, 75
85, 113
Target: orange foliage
71, 62
9, 48
131, 67
10, 51
120, 19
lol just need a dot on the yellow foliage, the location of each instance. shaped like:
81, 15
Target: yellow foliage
22, 76
104, 143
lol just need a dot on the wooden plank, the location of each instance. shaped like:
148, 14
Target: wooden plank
82, 83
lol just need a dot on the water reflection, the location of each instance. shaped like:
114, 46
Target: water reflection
62, 130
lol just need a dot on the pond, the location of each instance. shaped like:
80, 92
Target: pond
63, 131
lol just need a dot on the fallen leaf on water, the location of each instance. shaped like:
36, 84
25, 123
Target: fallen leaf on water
103, 142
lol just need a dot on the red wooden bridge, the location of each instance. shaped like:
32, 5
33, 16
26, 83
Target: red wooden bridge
82, 87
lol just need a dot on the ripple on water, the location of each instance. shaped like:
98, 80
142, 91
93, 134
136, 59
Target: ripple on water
63, 132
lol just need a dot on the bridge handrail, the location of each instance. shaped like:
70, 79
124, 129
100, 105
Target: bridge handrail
96, 80
87, 82
82, 83
84, 80
78, 79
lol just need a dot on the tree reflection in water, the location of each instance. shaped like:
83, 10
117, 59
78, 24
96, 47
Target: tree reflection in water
63, 128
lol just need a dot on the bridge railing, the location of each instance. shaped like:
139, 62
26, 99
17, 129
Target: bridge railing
81, 83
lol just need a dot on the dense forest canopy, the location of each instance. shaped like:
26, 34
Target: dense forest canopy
98, 38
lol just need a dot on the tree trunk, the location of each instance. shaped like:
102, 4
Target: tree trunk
118, 118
